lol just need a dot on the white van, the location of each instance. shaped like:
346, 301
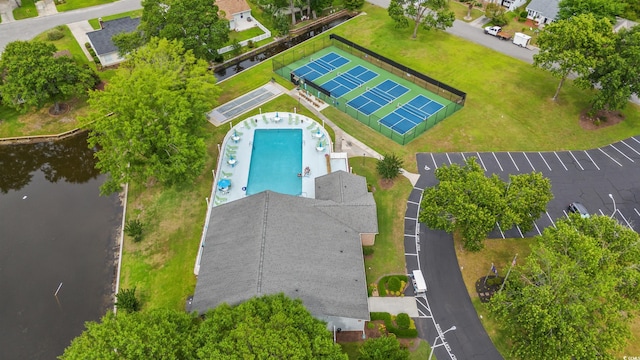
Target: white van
419, 285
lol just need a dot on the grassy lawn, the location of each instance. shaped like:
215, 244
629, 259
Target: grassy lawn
68, 42
132, 14
244, 35
27, 10
461, 10
421, 352
78, 4
388, 257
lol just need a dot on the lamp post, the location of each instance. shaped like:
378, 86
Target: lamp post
440, 336
614, 206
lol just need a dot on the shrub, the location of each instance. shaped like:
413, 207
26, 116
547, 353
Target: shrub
60, 27
250, 44
394, 284
403, 321
126, 300
87, 45
367, 250
388, 323
370, 325
494, 281
523, 14
133, 228
54, 35
91, 52
96, 60
236, 48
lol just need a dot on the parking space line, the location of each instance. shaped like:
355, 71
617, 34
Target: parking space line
609, 156
537, 228
520, 231
576, 160
545, 161
412, 202
594, 163
563, 165
482, 162
448, 158
565, 214
409, 218
636, 210
530, 164
621, 153
550, 219
411, 254
636, 140
601, 213
417, 188
434, 161
629, 146
501, 233
495, 157
463, 157
514, 163
625, 219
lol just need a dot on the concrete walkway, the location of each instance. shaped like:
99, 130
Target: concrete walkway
394, 305
79, 30
46, 8
6, 10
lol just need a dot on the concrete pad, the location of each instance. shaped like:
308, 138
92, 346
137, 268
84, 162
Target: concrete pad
46, 7
394, 305
6, 10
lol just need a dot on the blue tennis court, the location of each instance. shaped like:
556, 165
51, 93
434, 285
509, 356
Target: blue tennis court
320, 66
347, 81
375, 98
409, 115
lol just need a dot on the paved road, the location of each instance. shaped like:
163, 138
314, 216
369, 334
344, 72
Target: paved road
588, 176
28, 28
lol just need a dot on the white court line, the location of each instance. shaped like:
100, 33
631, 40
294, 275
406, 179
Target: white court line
550, 219
621, 153
530, 164
434, 161
495, 157
609, 156
463, 157
629, 146
563, 165
576, 160
448, 158
482, 162
501, 233
545, 161
513, 161
594, 163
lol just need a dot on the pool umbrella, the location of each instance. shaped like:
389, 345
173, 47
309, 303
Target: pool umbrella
224, 183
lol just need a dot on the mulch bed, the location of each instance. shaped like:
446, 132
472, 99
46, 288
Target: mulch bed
484, 290
356, 336
64, 108
601, 119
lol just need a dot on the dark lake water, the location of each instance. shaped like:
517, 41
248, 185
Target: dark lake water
54, 228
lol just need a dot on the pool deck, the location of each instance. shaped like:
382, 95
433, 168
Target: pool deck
240, 150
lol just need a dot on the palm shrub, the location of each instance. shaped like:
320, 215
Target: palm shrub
134, 228
389, 167
126, 300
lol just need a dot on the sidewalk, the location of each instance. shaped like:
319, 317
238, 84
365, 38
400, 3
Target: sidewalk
46, 7
79, 30
6, 10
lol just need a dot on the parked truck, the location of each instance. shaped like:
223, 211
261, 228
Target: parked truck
497, 32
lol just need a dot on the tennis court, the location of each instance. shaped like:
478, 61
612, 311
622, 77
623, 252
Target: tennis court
345, 82
409, 115
321, 66
377, 97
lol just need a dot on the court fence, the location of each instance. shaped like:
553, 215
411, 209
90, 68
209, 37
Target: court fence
456, 97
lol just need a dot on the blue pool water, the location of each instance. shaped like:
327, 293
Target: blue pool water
276, 161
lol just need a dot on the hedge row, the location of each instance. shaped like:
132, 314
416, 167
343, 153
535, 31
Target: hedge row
391, 327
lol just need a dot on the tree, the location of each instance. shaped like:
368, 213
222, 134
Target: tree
389, 167
431, 14
196, 23
154, 334
573, 46
127, 42
598, 8
353, 4
148, 122
496, 12
269, 327
468, 202
573, 295
127, 301
383, 348
33, 77
616, 75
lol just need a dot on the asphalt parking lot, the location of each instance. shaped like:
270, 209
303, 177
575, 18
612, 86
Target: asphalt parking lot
587, 176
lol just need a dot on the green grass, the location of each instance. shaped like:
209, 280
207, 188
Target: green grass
27, 10
244, 35
388, 256
78, 4
351, 349
68, 42
421, 352
461, 10
95, 23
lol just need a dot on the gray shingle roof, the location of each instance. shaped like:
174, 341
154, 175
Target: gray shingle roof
269, 243
548, 8
101, 39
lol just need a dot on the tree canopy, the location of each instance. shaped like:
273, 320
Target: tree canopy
269, 327
383, 348
196, 23
599, 8
573, 295
148, 122
467, 201
31, 76
573, 46
430, 14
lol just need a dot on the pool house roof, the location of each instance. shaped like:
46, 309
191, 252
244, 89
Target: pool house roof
306, 248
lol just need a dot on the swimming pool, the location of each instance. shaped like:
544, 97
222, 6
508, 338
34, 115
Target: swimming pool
276, 161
